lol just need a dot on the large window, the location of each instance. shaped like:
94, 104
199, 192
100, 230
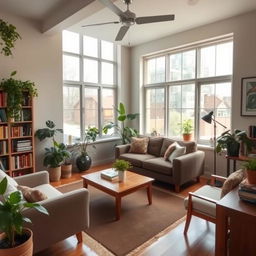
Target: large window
188, 84
89, 91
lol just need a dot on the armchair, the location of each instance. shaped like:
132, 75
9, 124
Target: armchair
68, 213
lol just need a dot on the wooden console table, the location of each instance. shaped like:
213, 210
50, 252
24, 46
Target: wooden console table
235, 226
234, 159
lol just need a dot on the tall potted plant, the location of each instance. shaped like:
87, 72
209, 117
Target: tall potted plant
84, 161
55, 155
187, 129
15, 239
231, 142
125, 132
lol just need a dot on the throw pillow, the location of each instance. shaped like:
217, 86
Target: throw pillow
179, 151
169, 151
233, 180
139, 145
32, 195
11, 185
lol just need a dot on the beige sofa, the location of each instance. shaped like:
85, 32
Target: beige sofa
152, 164
68, 213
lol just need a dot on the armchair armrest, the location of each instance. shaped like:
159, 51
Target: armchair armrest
191, 194
33, 179
121, 149
188, 167
217, 177
68, 215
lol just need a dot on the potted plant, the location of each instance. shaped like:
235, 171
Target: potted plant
83, 160
55, 155
8, 37
187, 129
231, 142
15, 239
66, 167
250, 167
121, 166
14, 89
125, 132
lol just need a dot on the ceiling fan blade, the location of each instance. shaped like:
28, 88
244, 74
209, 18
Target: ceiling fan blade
113, 7
151, 19
99, 24
123, 30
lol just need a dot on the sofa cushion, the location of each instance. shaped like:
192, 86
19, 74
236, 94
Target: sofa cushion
178, 151
155, 145
48, 190
139, 145
190, 145
136, 159
203, 206
169, 151
32, 195
158, 165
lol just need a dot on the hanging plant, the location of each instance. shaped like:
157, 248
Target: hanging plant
8, 36
15, 89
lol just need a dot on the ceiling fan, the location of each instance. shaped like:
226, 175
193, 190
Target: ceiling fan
128, 18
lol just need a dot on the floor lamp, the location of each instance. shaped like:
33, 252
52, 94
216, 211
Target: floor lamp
209, 118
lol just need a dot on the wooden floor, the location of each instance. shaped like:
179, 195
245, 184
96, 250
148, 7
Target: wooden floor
200, 238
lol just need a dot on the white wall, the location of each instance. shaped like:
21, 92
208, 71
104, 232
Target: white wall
38, 57
244, 64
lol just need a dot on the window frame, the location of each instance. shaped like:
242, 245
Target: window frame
82, 85
197, 81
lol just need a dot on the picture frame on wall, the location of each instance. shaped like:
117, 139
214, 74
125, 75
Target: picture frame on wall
248, 96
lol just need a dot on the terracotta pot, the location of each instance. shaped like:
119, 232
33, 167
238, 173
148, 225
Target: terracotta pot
121, 175
187, 137
54, 173
66, 171
251, 176
25, 249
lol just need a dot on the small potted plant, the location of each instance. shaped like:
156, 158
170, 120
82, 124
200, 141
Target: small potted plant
250, 167
231, 142
121, 166
83, 160
15, 239
66, 167
55, 155
187, 129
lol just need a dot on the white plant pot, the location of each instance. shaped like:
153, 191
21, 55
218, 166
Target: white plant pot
121, 175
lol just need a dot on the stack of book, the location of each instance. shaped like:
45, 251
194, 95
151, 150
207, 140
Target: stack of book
21, 145
22, 130
22, 161
247, 192
109, 174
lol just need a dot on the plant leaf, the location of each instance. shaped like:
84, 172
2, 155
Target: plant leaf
121, 118
3, 185
132, 116
36, 206
15, 197
13, 73
121, 108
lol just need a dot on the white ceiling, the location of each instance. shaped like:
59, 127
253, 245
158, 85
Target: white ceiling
188, 14
32, 9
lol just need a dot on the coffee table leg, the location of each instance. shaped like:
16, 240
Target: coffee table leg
85, 184
149, 192
118, 207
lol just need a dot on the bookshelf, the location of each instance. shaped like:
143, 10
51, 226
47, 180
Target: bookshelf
17, 154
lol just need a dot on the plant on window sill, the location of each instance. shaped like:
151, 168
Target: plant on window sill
125, 132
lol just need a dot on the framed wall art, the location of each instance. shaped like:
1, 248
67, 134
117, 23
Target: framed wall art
248, 96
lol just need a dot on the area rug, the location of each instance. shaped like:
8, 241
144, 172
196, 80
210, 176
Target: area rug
139, 221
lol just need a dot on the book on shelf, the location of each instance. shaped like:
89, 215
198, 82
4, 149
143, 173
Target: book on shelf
21, 145
252, 131
26, 99
109, 174
3, 116
4, 164
21, 130
3, 147
24, 115
3, 99
3, 132
22, 161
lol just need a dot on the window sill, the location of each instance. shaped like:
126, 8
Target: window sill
205, 147
101, 140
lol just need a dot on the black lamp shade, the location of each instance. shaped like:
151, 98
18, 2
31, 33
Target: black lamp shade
208, 118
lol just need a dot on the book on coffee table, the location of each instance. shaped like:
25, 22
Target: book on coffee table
109, 174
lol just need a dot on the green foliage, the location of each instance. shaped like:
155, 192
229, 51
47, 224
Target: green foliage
58, 153
121, 165
250, 165
15, 89
8, 36
124, 132
90, 136
187, 126
11, 208
227, 138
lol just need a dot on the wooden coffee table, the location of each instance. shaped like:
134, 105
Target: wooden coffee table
132, 183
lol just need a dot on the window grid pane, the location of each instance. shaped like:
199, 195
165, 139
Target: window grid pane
90, 71
70, 42
90, 46
71, 71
